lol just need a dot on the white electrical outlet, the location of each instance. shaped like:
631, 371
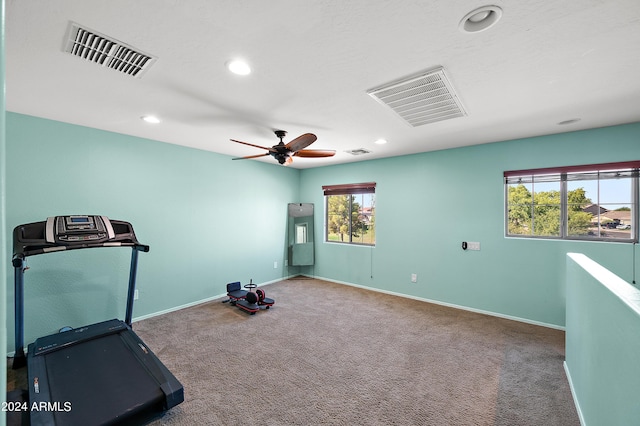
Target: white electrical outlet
275, 264
473, 245
135, 294
414, 278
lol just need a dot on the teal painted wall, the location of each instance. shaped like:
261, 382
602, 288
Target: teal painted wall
3, 236
427, 204
229, 224
602, 343
207, 219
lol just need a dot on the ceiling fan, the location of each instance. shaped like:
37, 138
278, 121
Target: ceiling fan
284, 153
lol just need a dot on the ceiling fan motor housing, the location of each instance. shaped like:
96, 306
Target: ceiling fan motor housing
280, 151
284, 153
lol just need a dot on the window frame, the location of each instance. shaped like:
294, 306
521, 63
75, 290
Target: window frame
350, 190
563, 174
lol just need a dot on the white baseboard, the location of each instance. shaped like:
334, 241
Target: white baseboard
450, 305
197, 302
187, 305
422, 299
573, 393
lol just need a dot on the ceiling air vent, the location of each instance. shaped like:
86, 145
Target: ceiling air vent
106, 51
423, 98
359, 151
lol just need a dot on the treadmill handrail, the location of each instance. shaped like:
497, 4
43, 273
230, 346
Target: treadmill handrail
18, 258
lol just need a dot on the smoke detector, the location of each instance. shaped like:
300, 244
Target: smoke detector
422, 98
106, 51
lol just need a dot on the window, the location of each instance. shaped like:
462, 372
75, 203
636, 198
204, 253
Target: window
350, 213
594, 202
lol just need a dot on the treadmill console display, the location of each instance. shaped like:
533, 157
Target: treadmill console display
78, 229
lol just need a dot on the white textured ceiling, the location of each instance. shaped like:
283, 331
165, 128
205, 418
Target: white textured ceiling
313, 62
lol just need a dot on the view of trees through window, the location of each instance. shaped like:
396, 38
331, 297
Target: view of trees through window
351, 218
585, 205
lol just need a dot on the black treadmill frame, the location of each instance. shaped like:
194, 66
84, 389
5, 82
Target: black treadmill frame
30, 240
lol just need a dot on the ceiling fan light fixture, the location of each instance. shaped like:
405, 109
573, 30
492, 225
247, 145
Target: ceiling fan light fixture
239, 67
284, 153
480, 19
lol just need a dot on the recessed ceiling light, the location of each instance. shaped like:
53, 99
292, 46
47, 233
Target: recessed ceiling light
150, 119
480, 19
571, 121
380, 142
479, 16
239, 67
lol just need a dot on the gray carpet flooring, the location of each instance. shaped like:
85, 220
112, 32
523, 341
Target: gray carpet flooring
337, 355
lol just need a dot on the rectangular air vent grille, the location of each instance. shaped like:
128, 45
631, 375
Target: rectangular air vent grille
423, 98
359, 151
105, 51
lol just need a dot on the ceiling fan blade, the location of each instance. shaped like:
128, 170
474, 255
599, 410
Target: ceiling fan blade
251, 156
301, 142
315, 153
250, 144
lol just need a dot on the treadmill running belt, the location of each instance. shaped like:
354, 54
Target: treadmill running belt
103, 381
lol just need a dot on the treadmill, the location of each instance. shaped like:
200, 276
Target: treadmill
98, 374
